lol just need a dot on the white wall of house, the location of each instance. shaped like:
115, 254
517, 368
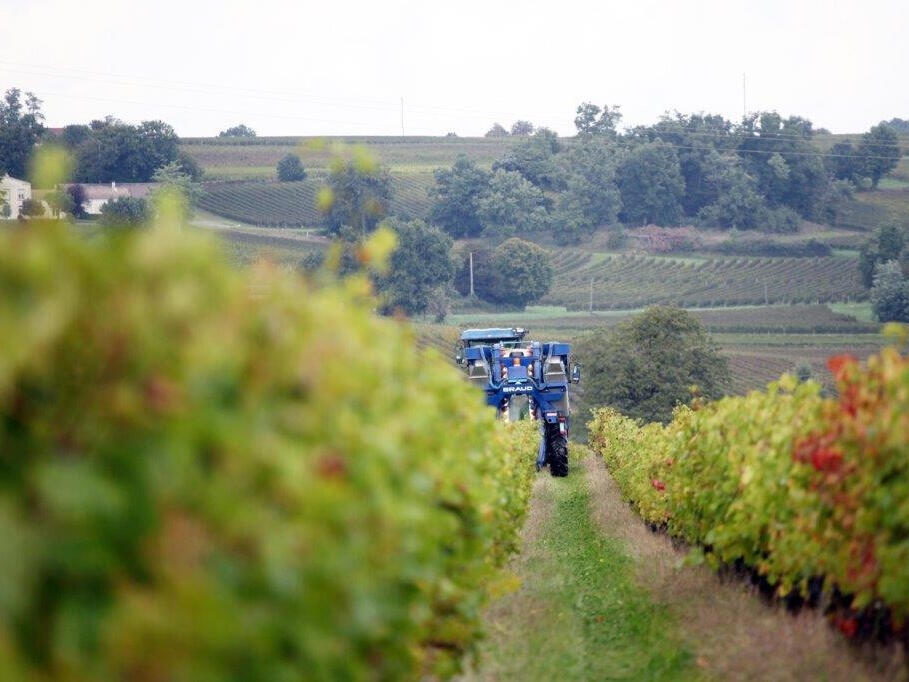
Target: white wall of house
15, 192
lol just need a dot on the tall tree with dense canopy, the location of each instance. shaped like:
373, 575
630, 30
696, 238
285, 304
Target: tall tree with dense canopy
511, 203
121, 152
457, 196
420, 265
534, 157
649, 364
890, 293
886, 243
21, 127
879, 151
522, 128
357, 195
522, 273
592, 120
590, 172
651, 185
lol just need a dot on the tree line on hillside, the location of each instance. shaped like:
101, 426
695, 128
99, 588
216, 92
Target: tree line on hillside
763, 173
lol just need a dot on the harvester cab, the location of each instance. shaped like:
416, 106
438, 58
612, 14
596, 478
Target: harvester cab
524, 379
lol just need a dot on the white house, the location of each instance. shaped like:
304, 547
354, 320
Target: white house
14, 193
98, 195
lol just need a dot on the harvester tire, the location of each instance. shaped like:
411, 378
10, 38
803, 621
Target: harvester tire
557, 452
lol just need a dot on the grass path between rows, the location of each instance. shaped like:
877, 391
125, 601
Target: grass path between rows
579, 613
603, 598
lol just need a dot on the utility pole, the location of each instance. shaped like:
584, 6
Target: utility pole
402, 117
590, 306
744, 97
471, 274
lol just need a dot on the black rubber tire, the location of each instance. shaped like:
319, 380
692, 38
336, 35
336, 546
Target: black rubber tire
556, 451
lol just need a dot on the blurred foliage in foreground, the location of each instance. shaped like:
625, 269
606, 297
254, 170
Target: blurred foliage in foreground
215, 474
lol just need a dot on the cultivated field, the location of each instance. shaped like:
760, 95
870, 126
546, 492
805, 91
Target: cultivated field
284, 204
256, 158
629, 281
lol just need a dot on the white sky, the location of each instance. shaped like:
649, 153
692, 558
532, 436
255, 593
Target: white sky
340, 67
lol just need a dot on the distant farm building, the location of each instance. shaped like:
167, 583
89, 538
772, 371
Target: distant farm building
97, 196
14, 192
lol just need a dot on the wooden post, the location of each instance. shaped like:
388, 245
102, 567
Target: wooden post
590, 306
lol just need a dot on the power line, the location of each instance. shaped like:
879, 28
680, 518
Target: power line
664, 126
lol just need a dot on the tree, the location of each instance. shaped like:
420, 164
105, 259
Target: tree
522, 128
60, 201
845, 163
357, 195
701, 142
457, 196
879, 151
890, 293
241, 130
534, 158
189, 166
4, 205
290, 169
739, 204
74, 135
511, 203
121, 152
31, 208
569, 220
778, 153
885, 244
124, 212
171, 178
497, 130
77, 194
649, 364
522, 273
590, 172
592, 120
21, 127
420, 266
651, 185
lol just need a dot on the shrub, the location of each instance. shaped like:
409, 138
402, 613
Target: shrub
290, 169
200, 483
124, 212
770, 248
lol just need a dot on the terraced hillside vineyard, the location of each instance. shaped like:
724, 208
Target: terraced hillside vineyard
293, 204
632, 281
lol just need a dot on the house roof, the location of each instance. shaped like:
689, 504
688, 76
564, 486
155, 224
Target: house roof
136, 190
11, 181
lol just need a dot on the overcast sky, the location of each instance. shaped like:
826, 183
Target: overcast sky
340, 67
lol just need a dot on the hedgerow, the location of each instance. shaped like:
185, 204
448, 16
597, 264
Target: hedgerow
215, 474
801, 488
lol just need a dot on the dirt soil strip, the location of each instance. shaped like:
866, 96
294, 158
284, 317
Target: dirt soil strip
736, 635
